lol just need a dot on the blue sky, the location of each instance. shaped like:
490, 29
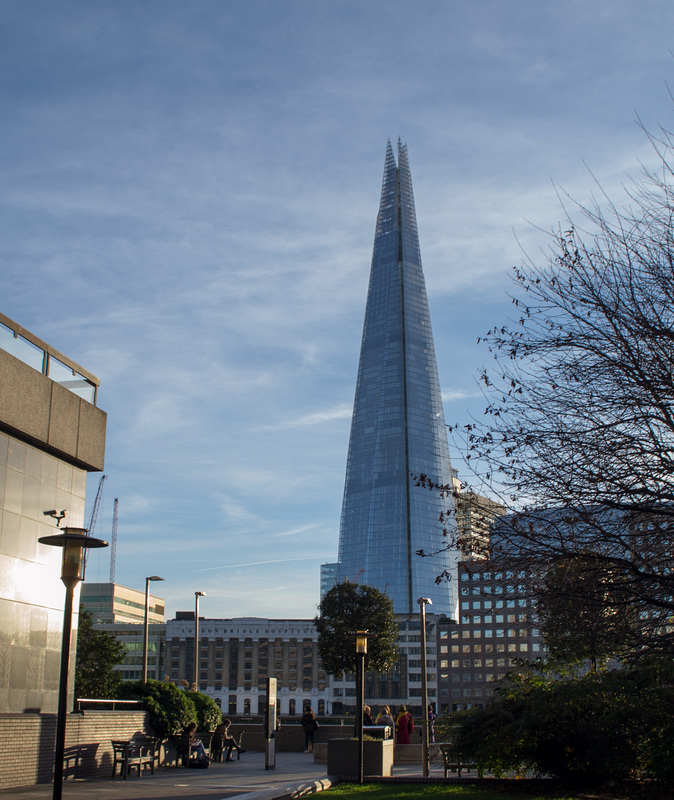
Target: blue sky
189, 194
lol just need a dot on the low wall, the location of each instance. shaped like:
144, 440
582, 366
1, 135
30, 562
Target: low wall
402, 754
290, 737
27, 744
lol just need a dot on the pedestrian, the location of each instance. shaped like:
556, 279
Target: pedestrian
404, 726
310, 725
431, 724
384, 718
367, 716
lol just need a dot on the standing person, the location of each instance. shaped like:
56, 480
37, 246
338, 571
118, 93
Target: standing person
384, 718
367, 716
431, 725
310, 724
404, 726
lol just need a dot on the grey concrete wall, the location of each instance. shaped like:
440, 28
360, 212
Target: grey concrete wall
39, 411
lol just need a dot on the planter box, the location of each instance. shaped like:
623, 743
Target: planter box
408, 754
343, 757
321, 752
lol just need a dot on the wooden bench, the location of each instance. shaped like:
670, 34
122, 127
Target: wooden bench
451, 761
217, 749
184, 746
132, 754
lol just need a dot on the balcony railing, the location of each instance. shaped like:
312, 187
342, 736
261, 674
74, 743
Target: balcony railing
21, 344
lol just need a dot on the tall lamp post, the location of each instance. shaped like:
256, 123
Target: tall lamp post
146, 628
361, 652
197, 595
423, 602
73, 541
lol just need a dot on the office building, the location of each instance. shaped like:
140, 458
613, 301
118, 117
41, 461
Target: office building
51, 435
111, 602
398, 428
131, 636
496, 632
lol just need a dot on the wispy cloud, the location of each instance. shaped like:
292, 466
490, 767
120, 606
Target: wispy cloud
259, 563
188, 210
342, 411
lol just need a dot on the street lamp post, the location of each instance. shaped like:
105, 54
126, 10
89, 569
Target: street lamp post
423, 602
146, 628
197, 595
73, 541
361, 652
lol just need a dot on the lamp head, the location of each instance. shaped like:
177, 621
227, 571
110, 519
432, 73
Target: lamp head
154, 578
73, 541
361, 642
200, 594
425, 601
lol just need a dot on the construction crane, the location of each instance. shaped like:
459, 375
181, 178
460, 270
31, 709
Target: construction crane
93, 518
97, 503
113, 543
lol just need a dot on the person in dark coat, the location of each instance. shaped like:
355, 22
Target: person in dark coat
310, 725
431, 724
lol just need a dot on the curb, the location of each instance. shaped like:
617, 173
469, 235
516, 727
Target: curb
287, 792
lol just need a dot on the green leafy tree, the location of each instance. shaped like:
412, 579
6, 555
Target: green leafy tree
170, 709
347, 608
98, 652
208, 712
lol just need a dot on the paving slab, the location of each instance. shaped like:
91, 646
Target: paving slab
296, 774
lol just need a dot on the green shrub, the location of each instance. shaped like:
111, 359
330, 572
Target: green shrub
587, 731
209, 715
170, 709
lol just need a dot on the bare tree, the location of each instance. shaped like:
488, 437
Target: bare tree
580, 423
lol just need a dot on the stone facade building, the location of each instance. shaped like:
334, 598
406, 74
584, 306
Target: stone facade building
236, 656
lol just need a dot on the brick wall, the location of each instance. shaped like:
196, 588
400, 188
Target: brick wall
27, 744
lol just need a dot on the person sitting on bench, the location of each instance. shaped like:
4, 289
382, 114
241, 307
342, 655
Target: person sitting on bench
229, 743
196, 745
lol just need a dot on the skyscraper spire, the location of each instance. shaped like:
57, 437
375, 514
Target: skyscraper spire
398, 425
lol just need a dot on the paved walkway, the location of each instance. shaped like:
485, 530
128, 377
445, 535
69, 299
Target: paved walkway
295, 774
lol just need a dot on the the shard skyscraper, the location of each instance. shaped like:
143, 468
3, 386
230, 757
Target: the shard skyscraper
398, 426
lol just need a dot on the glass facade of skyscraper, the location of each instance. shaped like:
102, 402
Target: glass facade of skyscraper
398, 426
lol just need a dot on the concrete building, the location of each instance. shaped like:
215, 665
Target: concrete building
131, 636
111, 602
51, 435
497, 629
237, 655
475, 515
120, 611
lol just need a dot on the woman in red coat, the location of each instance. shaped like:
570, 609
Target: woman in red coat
404, 726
